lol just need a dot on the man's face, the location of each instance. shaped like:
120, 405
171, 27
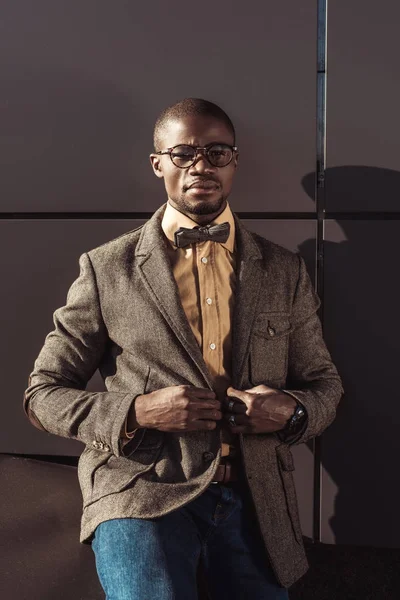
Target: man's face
199, 191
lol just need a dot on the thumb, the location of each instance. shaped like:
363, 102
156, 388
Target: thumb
239, 394
260, 389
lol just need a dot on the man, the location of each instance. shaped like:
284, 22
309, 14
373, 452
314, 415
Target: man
211, 350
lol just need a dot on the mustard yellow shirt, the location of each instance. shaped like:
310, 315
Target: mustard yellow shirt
205, 276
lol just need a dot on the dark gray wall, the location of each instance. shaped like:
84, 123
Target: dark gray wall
360, 451
81, 85
84, 81
362, 293
363, 104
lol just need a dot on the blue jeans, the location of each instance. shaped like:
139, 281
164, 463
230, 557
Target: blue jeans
156, 559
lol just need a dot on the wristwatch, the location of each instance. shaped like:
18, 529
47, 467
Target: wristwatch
296, 421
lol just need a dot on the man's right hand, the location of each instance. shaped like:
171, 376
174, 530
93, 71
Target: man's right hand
176, 408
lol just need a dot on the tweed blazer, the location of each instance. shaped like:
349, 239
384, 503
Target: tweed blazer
123, 316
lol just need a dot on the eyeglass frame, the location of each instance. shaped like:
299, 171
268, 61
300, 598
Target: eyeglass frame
196, 149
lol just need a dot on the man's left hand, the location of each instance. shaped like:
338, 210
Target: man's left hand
260, 409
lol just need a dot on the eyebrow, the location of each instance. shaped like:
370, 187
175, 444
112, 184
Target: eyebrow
198, 146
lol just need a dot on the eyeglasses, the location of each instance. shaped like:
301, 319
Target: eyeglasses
184, 156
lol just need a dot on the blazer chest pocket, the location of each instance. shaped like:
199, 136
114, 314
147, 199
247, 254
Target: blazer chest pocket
269, 348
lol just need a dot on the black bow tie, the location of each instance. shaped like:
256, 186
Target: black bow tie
214, 233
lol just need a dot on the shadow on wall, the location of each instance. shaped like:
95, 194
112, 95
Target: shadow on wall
360, 451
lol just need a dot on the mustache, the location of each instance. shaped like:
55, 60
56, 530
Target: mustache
201, 181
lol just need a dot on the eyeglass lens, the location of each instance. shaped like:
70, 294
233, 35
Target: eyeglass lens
218, 155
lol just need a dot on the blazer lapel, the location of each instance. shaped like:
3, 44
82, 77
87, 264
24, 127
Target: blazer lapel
248, 282
155, 269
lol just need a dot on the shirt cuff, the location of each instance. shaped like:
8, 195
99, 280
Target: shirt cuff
130, 434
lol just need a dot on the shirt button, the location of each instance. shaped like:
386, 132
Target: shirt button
204, 260
209, 301
212, 346
271, 331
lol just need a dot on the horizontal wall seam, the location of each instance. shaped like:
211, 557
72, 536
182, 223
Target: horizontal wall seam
339, 216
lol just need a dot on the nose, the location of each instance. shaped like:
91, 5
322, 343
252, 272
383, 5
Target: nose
201, 163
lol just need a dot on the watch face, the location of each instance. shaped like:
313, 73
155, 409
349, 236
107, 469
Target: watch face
298, 418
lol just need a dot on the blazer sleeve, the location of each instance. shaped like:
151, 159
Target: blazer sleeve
55, 400
312, 377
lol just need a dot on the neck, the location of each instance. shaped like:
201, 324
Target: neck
200, 219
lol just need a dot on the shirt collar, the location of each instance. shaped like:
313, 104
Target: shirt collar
173, 219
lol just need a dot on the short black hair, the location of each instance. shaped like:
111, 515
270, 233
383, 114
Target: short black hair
185, 108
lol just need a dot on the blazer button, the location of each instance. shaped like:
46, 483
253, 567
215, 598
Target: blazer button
208, 456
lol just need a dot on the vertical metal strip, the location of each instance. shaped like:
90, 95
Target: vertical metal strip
322, 10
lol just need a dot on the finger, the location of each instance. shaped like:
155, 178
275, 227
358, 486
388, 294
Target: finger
206, 398
239, 419
198, 404
202, 414
241, 395
260, 389
235, 406
202, 392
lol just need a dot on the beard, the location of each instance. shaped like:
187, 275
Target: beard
198, 206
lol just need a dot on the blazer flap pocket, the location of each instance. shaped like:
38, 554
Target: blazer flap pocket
285, 457
119, 473
272, 326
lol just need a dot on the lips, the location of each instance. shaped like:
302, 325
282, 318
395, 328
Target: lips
208, 184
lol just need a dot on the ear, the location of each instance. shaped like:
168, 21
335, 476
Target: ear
155, 160
235, 160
